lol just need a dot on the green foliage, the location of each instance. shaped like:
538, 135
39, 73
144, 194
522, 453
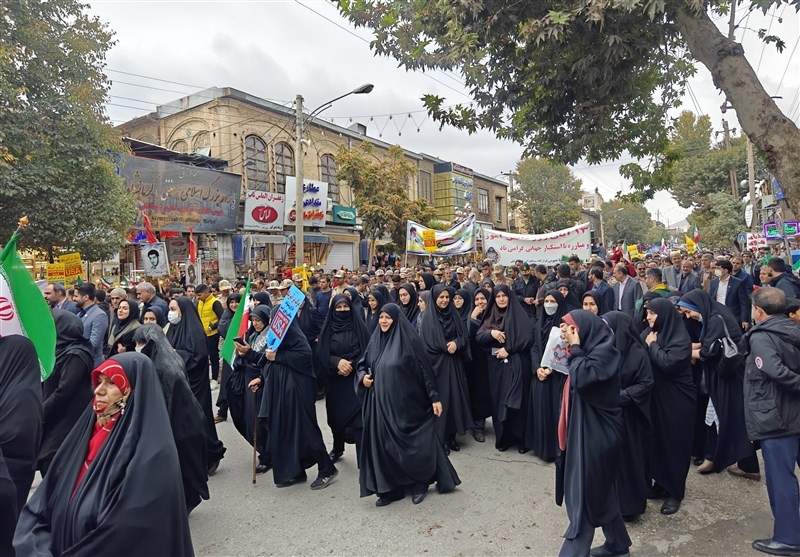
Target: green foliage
54, 141
626, 221
546, 195
380, 191
655, 234
720, 219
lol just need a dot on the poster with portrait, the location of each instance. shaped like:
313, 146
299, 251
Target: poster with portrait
154, 259
193, 273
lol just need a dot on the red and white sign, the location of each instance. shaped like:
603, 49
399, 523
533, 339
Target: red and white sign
755, 241
264, 210
546, 249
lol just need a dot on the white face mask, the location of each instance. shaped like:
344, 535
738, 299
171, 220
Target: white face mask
550, 308
139, 348
174, 317
718, 272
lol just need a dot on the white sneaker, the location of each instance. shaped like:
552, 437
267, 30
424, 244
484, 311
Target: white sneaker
214, 385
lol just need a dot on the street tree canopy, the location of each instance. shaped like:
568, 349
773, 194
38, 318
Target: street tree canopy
546, 195
58, 153
588, 80
628, 221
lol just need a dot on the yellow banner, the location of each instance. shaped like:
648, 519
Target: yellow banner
303, 273
73, 266
55, 272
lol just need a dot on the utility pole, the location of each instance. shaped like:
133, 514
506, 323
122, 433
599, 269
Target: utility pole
732, 172
751, 180
299, 241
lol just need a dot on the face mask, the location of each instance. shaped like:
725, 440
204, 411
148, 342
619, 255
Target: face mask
718, 272
550, 308
173, 317
139, 348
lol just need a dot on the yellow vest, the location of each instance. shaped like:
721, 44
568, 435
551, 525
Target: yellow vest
207, 315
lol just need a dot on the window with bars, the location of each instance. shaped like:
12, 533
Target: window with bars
327, 173
255, 156
424, 189
498, 209
483, 201
284, 165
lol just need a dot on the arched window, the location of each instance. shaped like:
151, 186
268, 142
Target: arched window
255, 163
180, 146
327, 173
284, 165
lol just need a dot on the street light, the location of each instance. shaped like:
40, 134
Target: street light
300, 120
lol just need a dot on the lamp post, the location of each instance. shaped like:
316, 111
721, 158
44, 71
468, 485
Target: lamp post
300, 121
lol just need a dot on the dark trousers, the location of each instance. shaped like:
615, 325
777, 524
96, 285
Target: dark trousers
780, 457
222, 397
212, 343
617, 539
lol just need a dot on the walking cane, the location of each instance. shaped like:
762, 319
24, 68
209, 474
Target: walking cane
255, 435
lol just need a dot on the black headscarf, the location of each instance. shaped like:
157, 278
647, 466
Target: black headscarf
263, 313
466, 309
372, 315
636, 374
672, 334
343, 334
185, 413
440, 326
429, 280
571, 298
188, 338
310, 320
131, 495
598, 300
383, 290
487, 284
133, 315
411, 309
262, 298
712, 329
512, 320
161, 319
69, 338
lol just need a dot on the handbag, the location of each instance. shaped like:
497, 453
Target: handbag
729, 348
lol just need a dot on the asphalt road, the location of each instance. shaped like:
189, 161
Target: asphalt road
504, 506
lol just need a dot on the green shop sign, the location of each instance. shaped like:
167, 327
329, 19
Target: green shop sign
344, 215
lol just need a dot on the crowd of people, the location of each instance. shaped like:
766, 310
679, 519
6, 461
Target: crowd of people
667, 362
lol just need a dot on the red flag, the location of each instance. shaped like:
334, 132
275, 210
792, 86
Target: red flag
151, 238
192, 247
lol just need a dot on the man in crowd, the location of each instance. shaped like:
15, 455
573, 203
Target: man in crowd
772, 413
323, 298
687, 281
705, 271
751, 267
600, 286
731, 292
210, 310
95, 321
473, 278
525, 288
741, 274
56, 296
579, 275
486, 270
641, 268
626, 291
146, 294
782, 279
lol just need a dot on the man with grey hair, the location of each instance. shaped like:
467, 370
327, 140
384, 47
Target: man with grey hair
146, 294
772, 412
56, 296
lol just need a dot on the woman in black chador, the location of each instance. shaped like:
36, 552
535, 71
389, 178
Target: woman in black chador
636, 377
115, 482
673, 403
728, 443
68, 390
188, 338
547, 386
444, 336
288, 412
341, 344
590, 434
400, 447
185, 414
505, 334
375, 302
476, 369
408, 300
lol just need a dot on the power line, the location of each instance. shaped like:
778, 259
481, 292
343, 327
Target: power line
787, 65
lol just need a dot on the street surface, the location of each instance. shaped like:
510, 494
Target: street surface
504, 506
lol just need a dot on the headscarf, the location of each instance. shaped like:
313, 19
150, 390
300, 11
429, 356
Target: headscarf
161, 319
466, 309
125, 325
372, 315
487, 284
571, 299
672, 334
262, 298
425, 296
701, 301
188, 337
428, 279
512, 320
341, 328
259, 342
636, 373
411, 309
383, 290
598, 300
69, 338
440, 326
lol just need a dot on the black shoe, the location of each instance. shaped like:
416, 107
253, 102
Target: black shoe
502, 448
418, 498
262, 469
212, 467
324, 481
454, 446
670, 505
523, 450
389, 499
335, 455
478, 436
772, 547
602, 551
656, 492
298, 480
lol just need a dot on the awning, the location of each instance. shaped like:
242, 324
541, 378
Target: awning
264, 239
309, 238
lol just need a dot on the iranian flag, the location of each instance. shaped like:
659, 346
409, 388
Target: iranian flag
239, 324
23, 309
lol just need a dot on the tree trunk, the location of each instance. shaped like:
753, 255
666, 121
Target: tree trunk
761, 119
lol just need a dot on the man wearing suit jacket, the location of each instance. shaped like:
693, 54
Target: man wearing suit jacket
670, 273
56, 296
706, 272
626, 290
731, 292
750, 266
600, 286
741, 274
687, 281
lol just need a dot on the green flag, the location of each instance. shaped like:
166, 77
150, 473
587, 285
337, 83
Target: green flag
238, 326
23, 309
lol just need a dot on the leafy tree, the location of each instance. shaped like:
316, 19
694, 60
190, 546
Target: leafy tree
57, 150
591, 79
626, 221
655, 235
380, 192
719, 220
547, 195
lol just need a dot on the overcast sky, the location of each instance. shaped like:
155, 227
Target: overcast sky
277, 49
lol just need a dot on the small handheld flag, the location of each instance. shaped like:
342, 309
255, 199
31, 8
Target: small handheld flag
240, 319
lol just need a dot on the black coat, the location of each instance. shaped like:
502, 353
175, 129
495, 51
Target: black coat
131, 495
20, 428
477, 368
400, 446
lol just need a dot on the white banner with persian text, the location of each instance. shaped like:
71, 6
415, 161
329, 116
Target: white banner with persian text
547, 249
